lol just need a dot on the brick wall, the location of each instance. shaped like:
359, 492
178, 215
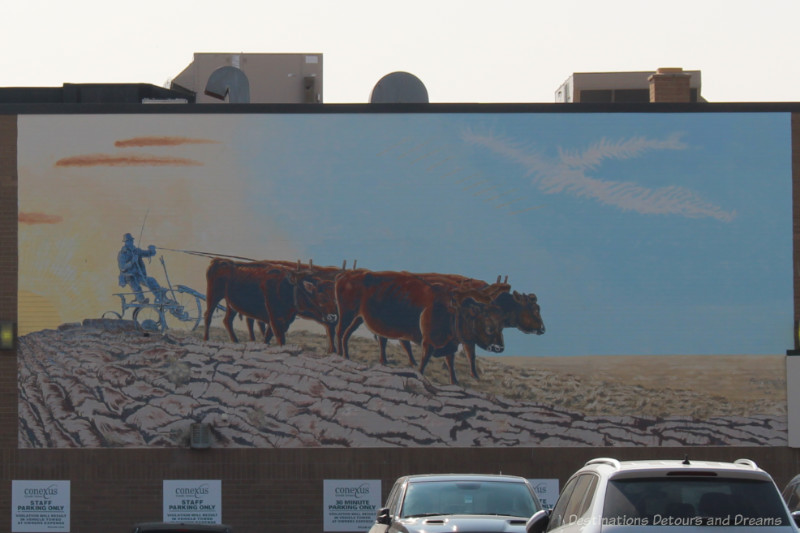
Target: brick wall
281, 490
670, 85
796, 223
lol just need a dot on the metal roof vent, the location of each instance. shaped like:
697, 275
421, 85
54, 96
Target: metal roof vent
398, 88
200, 436
230, 82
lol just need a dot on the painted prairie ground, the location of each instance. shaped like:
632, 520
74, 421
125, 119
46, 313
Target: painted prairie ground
651, 386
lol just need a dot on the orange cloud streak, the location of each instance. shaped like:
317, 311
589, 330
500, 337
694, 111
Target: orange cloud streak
38, 218
96, 160
160, 141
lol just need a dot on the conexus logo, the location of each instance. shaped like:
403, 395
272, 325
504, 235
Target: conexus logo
44, 493
192, 492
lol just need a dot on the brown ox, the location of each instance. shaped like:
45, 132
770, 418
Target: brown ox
247, 287
409, 308
519, 310
484, 292
271, 292
314, 297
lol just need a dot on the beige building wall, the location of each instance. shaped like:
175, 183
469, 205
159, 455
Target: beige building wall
273, 78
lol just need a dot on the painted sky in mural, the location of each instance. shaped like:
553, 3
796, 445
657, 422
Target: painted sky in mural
660, 233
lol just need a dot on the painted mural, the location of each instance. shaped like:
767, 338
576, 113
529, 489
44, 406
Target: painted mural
371, 279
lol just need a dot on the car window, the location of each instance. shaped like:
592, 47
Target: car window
558, 513
394, 495
792, 495
578, 504
501, 498
694, 501
588, 496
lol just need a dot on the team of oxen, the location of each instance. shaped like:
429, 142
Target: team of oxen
438, 312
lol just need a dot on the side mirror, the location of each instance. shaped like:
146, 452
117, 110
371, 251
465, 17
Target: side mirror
383, 516
796, 517
538, 522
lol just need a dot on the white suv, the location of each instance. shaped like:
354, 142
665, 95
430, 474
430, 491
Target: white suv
608, 495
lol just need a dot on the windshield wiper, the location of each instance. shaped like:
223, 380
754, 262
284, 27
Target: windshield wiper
422, 515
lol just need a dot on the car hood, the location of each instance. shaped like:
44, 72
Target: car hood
464, 524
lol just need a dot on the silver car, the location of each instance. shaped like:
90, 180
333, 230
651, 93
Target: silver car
607, 496
433, 503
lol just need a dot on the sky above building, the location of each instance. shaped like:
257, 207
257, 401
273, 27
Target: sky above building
462, 50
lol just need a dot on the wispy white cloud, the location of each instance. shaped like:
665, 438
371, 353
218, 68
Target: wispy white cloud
621, 149
569, 174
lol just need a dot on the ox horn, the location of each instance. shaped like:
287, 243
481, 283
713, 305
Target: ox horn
498, 277
506, 280
344, 264
354, 263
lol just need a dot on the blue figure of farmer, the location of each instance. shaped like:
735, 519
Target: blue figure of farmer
132, 271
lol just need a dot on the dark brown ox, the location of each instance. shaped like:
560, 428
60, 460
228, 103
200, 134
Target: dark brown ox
247, 287
270, 292
406, 307
485, 293
266, 331
315, 299
520, 311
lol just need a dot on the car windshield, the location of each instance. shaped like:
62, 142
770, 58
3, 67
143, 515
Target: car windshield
698, 501
502, 498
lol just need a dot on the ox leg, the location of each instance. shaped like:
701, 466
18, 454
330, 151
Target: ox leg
382, 342
451, 365
330, 329
427, 351
279, 327
344, 336
449, 356
230, 314
407, 346
344, 328
469, 349
210, 307
250, 329
276, 331
280, 336
262, 327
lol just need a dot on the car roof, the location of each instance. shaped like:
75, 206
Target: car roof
421, 478
741, 468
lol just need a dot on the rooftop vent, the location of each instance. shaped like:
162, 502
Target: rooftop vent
398, 88
230, 82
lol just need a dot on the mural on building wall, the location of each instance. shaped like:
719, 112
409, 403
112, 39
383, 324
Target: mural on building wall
438, 279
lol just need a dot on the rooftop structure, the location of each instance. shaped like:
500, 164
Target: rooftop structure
663, 85
253, 78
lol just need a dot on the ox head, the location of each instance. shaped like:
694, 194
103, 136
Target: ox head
479, 323
521, 311
314, 297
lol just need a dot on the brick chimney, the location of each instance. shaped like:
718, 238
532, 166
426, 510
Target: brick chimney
670, 85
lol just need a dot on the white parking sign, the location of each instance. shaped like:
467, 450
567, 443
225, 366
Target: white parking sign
39, 506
